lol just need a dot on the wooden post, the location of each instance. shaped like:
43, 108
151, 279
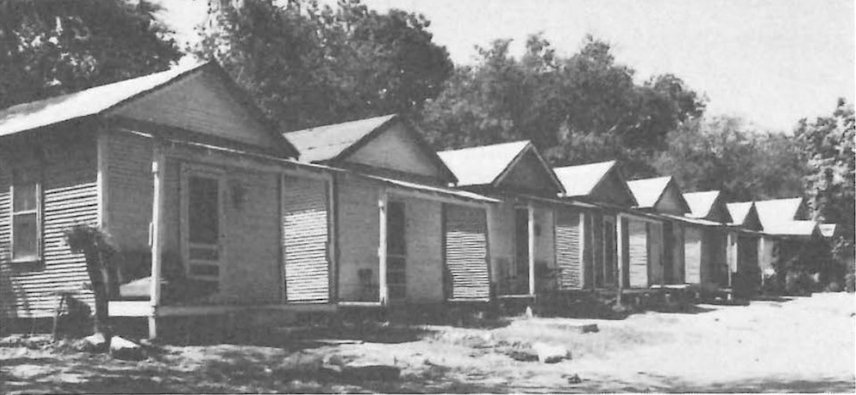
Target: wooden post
584, 274
619, 226
157, 237
531, 241
383, 290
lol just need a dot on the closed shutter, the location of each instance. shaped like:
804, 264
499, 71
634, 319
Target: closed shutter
568, 249
305, 240
638, 241
466, 252
692, 256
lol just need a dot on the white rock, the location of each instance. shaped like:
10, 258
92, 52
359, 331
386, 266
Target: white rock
122, 348
548, 353
95, 342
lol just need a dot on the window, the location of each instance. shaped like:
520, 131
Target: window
25, 217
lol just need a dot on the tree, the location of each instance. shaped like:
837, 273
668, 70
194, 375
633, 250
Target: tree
724, 154
576, 109
828, 143
308, 64
54, 47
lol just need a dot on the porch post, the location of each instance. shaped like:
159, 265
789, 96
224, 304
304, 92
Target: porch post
383, 291
619, 227
157, 236
732, 257
531, 241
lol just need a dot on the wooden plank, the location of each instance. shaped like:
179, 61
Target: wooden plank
158, 232
465, 246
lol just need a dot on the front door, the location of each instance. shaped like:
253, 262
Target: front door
396, 252
202, 222
609, 252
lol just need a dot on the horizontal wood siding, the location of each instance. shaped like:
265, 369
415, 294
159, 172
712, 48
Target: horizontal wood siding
638, 242
357, 239
305, 240
424, 238
466, 252
129, 190
69, 197
568, 249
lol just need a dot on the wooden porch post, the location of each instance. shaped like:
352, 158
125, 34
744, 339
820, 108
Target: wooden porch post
619, 226
157, 237
531, 241
383, 290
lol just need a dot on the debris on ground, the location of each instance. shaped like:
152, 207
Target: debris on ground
551, 353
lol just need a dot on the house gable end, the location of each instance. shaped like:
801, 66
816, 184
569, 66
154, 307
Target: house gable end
397, 148
752, 221
205, 103
719, 212
613, 189
528, 173
672, 201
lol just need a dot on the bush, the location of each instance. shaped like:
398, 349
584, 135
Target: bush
798, 283
833, 286
850, 282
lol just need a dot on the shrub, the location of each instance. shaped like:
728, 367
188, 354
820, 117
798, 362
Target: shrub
798, 283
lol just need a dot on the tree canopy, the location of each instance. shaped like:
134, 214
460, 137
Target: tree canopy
308, 64
577, 109
49, 48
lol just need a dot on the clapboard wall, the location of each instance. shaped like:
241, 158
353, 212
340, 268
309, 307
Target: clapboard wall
357, 238
67, 160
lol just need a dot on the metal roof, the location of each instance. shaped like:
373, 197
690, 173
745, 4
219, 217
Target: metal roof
582, 179
739, 211
792, 228
484, 164
87, 102
778, 210
327, 142
701, 203
828, 230
648, 191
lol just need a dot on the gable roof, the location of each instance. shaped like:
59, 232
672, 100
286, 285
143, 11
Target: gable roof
331, 143
100, 100
584, 180
778, 210
828, 230
739, 211
648, 192
581, 180
702, 204
792, 228
488, 164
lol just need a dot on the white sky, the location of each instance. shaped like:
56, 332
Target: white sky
771, 62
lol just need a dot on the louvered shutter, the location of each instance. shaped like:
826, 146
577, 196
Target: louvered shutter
466, 252
568, 249
305, 240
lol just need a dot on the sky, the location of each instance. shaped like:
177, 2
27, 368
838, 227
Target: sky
770, 62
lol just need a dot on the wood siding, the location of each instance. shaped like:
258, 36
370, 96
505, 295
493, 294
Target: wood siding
568, 232
395, 149
528, 174
305, 239
69, 197
638, 245
612, 189
424, 238
129, 190
466, 252
656, 265
201, 103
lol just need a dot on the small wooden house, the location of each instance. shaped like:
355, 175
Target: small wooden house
661, 261
591, 229
402, 236
199, 194
521, 227
748, 228
706, 241
786, 229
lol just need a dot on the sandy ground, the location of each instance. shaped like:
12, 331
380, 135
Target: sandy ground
801, 344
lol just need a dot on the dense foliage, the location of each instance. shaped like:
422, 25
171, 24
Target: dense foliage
53, 47
577, 109
308, 64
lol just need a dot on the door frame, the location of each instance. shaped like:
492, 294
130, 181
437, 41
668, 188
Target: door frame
190, 170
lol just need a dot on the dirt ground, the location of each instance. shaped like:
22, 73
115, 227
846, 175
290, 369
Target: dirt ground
789, 345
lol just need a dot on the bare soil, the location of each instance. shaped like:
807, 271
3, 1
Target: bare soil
788, 345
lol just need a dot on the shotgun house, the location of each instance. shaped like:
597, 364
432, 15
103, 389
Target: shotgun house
402, 235
747, 272
664, 240
521, 227
706, 238
786, 229
199, 194
592, 225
